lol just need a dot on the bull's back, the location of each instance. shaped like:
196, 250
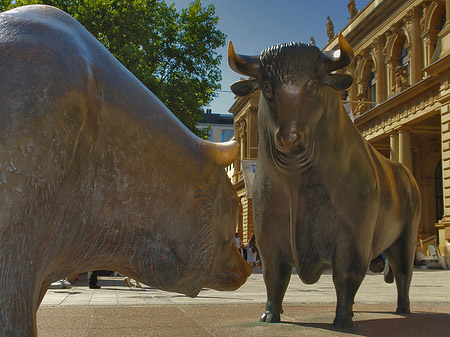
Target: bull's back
65, 104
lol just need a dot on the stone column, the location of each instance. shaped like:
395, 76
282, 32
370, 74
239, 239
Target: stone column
444, 224
239, 131
416, 48
240, 224
248, 132
428, 205
393, 140
243, 136
253, 133
429, 41
247, 219
353, 88
381, 69
404, 148
391, 65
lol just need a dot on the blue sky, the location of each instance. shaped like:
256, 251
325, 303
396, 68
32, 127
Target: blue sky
254, 25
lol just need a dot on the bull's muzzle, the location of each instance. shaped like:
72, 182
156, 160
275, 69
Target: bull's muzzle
233, 274
290, 141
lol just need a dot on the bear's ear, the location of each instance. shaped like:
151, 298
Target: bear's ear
244, 88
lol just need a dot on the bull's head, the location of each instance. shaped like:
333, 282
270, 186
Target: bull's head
295, 80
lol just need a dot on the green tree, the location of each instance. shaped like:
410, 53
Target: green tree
172, 52
4, 5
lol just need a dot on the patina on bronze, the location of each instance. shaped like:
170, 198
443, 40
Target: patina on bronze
323, 196
96, 173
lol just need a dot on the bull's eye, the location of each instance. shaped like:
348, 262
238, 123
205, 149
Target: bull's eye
313, 85
267, 90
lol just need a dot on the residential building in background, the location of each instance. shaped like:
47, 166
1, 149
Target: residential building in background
221, 126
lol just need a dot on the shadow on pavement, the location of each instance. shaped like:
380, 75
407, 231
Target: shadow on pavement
417, 324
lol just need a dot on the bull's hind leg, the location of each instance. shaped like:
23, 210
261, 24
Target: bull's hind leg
401, 260
276, 274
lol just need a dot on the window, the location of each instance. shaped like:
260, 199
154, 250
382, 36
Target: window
210, 134
372, 89
226, 135
404, 59
437, 23
443, 20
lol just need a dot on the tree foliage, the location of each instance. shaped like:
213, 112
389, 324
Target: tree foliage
172, 52
4, 5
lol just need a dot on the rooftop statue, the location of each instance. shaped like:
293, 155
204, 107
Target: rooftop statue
330, 29
352, 9
96, 173
323, 197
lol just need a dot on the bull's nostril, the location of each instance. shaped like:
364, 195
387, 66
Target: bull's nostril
293, 139
280, 139
298, 138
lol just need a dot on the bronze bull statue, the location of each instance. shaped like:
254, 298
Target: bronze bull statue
323, 197
96, 173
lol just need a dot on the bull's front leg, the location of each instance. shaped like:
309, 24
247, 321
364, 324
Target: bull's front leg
271, 218
348, 274
277, 274
17, 312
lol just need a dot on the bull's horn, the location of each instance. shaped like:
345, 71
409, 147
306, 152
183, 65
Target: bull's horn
242, 64
222, 154
337, 60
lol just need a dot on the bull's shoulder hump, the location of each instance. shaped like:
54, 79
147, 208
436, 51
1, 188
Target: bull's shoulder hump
43, 29
33, 15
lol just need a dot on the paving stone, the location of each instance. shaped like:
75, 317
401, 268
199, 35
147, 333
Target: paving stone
116, 310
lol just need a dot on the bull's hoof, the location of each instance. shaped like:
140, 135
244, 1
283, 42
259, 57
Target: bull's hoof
343, 322
403, 309
270, 317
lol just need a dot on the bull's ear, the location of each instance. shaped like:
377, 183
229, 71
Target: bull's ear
339, 81
244, 88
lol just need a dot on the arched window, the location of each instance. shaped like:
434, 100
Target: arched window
372, 89
437, 22
364, 82
404, 59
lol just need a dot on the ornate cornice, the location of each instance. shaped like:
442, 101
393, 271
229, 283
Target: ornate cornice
400, 109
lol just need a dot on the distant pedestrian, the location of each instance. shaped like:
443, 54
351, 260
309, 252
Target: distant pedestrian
238, 242
93, 280
252, 250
